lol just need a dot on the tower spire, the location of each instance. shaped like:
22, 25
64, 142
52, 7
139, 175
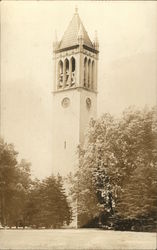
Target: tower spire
70, 37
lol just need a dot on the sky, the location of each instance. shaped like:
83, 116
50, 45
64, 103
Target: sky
127, 71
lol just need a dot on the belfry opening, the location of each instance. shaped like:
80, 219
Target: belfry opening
66, 73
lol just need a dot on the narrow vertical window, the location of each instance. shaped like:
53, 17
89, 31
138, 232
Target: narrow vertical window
73, 76
93, 76
60, 74
65, 144
85, 72
66, 72
89, 74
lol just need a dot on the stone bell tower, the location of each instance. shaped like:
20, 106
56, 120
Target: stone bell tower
74, 93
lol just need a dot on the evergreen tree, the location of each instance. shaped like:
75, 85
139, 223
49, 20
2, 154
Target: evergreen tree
48, 206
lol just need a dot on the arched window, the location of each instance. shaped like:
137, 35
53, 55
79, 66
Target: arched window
93, 75
73, 64
60, 74
85, 72
89, 73
73, 69
66, 72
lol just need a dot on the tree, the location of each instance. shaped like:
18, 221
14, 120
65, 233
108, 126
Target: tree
118, 154
14, 185
138, 196
33, 205
26, 202
18, 213
92, 185
48, 206
8, 163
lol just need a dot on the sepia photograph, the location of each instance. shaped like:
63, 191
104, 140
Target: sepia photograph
78, 125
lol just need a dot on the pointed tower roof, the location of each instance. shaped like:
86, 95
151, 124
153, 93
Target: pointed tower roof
70, 37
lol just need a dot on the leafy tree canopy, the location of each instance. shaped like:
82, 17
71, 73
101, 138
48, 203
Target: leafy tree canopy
27, 202
117, 166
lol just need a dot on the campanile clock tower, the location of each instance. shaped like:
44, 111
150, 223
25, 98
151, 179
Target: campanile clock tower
74, 93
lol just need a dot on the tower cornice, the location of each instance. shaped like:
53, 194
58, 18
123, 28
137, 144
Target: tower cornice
75, 47
90, 49
78, 88
66, 49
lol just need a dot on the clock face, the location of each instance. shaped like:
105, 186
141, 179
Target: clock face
88, 103
65, 102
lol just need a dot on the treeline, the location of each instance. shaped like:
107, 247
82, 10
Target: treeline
116, 185
27, 202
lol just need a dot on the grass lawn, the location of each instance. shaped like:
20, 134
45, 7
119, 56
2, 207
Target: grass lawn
81, 239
